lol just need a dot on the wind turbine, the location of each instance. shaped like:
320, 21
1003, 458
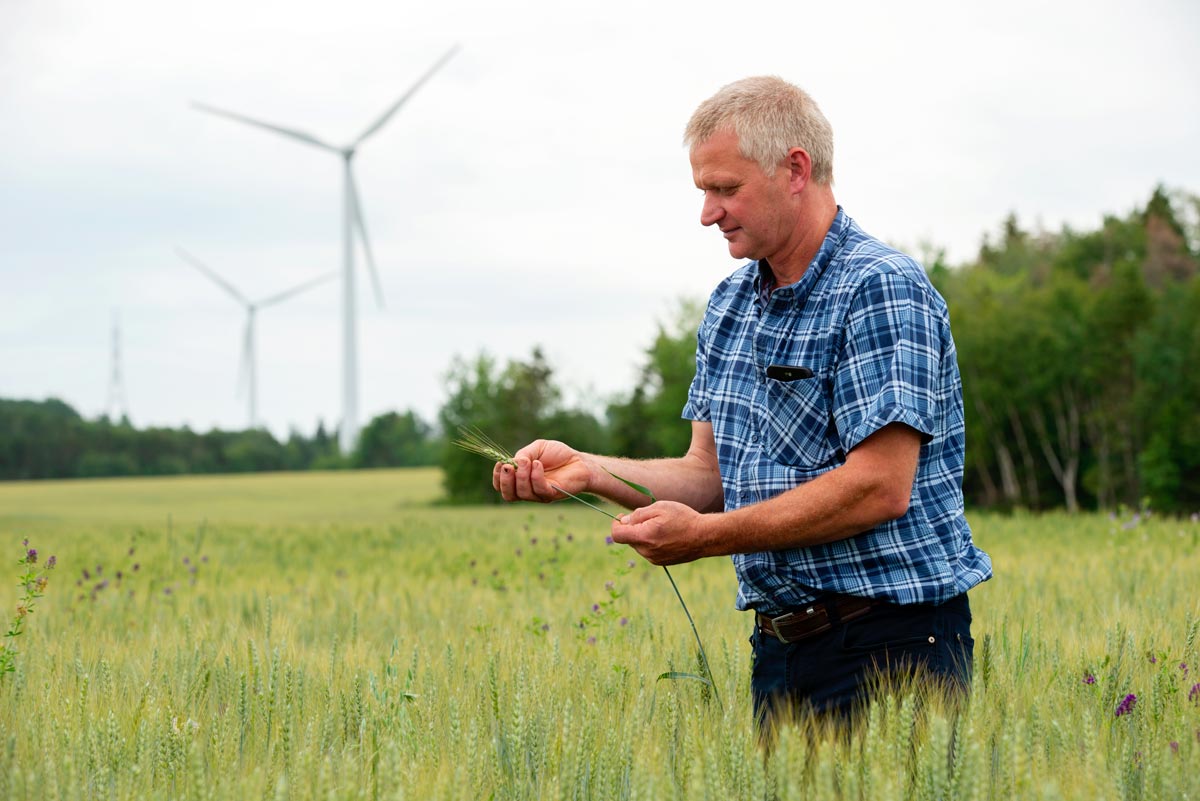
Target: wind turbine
248, 372
352, 218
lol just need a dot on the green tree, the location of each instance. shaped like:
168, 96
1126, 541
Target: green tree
1166, 353
648, 423
511, 405
396, 440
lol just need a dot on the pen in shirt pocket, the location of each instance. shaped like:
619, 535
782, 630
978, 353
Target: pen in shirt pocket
787, 372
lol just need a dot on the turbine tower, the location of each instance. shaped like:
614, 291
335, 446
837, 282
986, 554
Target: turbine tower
248, 372
116, 408
352, 218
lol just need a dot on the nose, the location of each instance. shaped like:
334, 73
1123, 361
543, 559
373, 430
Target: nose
711, 212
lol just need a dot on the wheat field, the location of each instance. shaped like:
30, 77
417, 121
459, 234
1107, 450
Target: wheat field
344, 636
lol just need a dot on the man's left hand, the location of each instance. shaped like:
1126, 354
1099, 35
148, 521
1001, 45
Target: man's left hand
664, 533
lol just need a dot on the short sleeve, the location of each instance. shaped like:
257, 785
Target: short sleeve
889, 360
698, 406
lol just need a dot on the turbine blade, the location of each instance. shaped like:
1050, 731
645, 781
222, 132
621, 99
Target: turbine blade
387, 115
282, 296
221, 282
307, 138
361, 223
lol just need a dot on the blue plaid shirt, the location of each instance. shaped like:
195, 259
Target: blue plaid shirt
866, 321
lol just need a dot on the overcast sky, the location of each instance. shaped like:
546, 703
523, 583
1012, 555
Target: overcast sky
534, 191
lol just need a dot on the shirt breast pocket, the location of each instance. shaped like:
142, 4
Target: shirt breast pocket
796, 426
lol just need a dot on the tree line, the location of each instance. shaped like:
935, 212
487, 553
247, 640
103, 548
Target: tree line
1076, 348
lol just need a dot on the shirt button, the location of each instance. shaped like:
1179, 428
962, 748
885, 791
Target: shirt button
754, 437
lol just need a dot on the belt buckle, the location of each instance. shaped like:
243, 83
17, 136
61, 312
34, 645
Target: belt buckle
785, 618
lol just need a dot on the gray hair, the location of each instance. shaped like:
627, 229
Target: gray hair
770, 117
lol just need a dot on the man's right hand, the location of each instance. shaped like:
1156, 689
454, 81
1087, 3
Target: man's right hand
539, 465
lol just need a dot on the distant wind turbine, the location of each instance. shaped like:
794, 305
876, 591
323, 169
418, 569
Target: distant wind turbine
352, 218
248, 372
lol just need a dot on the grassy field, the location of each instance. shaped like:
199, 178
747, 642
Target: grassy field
342, 636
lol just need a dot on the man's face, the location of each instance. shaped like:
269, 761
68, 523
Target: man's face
750, 207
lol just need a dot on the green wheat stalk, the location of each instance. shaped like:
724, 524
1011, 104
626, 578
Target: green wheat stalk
475, 441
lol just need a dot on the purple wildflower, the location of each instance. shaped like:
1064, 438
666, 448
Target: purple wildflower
570, 538
608, 540
1183, 666
86, 574
1126, 705
533, 540
31, 556
624, 621
51, 562
136, 566
1153, 659
608, 585
545, 627
1174, 747
596, 608
1194, 693
25, 543
187, 561
518, 552
1089, 679
591, 640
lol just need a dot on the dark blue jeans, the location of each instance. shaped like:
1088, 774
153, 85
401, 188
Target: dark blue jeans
834, 673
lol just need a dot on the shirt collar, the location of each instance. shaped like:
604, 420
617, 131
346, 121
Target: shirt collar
764, 279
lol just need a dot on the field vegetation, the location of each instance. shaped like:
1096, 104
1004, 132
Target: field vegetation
343, 636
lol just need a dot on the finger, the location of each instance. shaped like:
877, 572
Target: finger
507, 482
541, 485
523, 480
639, 515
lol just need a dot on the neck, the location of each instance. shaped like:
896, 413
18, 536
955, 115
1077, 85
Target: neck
816, 214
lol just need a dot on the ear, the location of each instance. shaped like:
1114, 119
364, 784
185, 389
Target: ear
799, 166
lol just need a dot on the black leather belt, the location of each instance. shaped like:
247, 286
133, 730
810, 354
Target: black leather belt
816, 618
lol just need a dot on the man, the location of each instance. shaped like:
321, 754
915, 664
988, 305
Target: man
827, 427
